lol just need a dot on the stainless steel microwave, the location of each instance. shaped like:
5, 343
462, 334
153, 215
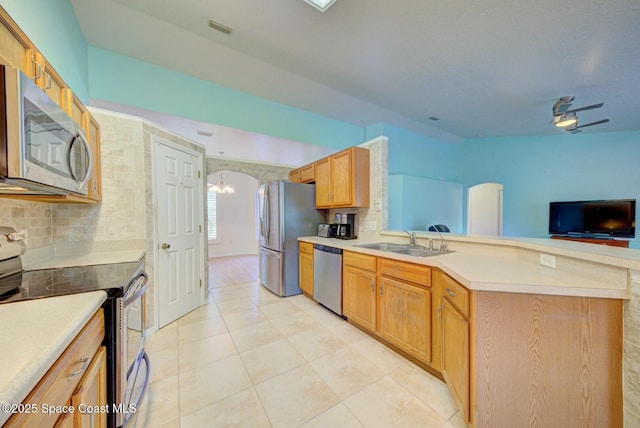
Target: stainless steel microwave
42, 150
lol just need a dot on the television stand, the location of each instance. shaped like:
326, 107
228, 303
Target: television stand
600, 241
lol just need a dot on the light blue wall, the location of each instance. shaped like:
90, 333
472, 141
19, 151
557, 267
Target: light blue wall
420, 202
414, 154
52, 26
124, 80
538, 170
413, 158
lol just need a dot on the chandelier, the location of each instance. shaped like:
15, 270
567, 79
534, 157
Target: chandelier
220, 186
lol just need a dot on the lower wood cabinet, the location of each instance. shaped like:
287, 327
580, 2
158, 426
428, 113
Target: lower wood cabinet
91, 394
391, 299
305, 268
509, 359
359, 296
404, 316
77, 377
455, 355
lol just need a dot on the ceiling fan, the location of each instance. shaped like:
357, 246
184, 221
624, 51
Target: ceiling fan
565, 117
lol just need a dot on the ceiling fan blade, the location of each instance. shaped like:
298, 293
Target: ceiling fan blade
591, 107
576, 129
593, 123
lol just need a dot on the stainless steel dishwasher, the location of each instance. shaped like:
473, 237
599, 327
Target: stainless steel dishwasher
327, 277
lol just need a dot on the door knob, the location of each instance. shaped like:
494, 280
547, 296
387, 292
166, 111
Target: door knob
165, 246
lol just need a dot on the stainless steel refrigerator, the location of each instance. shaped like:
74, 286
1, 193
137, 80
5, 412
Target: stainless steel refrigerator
286, 211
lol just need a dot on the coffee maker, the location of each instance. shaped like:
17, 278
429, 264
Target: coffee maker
346, 226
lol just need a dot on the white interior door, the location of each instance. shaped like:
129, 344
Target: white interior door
179, 231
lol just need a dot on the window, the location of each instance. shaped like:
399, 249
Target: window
212, 214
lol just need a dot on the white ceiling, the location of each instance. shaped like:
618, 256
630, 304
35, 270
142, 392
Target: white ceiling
485, 68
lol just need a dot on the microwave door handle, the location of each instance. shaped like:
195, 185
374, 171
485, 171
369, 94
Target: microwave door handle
87, 175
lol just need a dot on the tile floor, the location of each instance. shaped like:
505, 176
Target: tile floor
251, 359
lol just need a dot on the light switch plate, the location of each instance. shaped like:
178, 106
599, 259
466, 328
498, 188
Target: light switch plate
378, 205
548, 260
373, 225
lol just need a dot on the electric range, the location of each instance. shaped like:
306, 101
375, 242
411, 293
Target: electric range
124, 312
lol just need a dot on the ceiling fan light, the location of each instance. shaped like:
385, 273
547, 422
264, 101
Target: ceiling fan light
565, 120
321, 5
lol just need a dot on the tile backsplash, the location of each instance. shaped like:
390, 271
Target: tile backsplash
34, 218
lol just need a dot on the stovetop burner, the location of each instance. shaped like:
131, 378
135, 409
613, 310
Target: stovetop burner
112, 278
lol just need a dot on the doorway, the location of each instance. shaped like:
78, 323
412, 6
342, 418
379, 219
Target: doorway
232, 229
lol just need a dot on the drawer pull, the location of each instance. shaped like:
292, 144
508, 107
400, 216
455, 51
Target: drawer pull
372, 288
381, 287
450, 292
85, 362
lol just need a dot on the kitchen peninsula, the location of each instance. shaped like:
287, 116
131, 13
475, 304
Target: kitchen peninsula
518, 342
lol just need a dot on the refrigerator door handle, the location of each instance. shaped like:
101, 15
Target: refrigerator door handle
267, 209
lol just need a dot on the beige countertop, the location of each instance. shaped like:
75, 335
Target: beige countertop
507, 265
36, 332
87, 259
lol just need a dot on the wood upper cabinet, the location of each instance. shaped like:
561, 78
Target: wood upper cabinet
342, 179
305, 268
95, 183
404, 307
294, 176
308, 174
17, 50
323, 183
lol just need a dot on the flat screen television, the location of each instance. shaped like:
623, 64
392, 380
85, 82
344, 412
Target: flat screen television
610, 218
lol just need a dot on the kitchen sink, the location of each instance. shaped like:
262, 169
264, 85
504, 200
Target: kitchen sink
410, 250
384, 246
420, 252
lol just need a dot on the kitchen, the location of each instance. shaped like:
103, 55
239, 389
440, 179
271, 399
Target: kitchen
466, 163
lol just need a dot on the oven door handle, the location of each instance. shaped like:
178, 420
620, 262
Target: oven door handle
137, 289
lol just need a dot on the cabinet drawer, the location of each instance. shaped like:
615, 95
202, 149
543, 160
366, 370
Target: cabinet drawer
362, 261
407, 271
305, 247
56, 387
456, 294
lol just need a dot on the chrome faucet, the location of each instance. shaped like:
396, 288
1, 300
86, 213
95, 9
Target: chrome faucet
412, 238
443, 246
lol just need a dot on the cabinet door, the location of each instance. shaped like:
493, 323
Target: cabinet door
306, 273
359, 296
92, 393
307, 174
294, 176
323, 183
455, 356
77, 110
341, 179
404, 317
437, 288
95, 183
16, 50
